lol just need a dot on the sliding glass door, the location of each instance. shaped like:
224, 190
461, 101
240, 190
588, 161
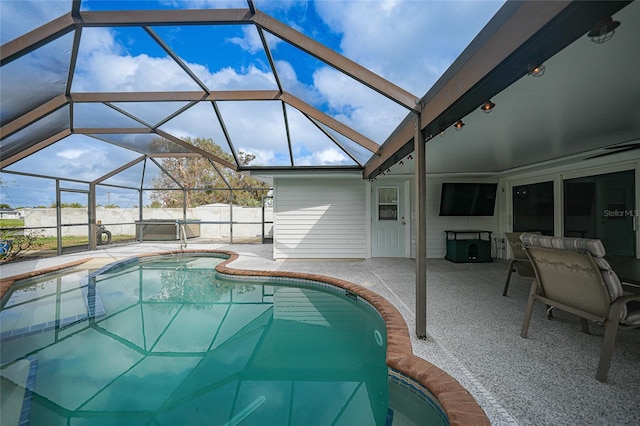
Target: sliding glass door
603, 207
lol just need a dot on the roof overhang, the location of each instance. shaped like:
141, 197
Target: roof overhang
519, 35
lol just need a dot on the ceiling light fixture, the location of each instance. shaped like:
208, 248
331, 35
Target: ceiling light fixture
487, 107
603, 31
459, 125
536, 70
410, 157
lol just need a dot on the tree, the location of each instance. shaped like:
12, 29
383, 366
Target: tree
210, 187
4, 206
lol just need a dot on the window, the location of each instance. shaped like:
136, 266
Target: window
388, 203
533, 208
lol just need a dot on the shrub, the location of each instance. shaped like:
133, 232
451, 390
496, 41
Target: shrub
12, 243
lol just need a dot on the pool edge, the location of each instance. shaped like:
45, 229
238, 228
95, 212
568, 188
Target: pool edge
7, 282
457, 402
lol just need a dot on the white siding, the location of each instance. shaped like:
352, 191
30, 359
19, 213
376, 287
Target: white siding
320, 218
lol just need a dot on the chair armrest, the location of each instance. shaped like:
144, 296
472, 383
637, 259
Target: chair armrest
615, 312
630, 288
626, 299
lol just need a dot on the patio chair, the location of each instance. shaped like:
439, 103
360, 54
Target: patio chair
571, 274
519, 263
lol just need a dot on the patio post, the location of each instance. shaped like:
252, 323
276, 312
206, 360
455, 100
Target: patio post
421, 228
93, 244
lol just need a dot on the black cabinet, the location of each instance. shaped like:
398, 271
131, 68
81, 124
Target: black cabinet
468, 246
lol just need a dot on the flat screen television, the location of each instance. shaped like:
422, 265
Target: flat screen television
468, 199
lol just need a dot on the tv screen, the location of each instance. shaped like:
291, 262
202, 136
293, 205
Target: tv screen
468, 199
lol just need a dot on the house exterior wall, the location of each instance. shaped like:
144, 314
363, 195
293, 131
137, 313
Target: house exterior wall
436, 224
320, 217
326, 217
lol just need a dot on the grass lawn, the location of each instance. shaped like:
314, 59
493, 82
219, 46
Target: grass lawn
51, 243
11, 223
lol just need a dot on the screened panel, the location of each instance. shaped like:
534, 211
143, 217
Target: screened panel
235, 58
116, 214
69, 184
109, 197
75, 157
310, 146
155, 177
199, 122
257, 129
20, 17
98, 115
126, 59
351, 103
35, 78
25, 191
192, 172
130, 177
151, 113
127, 5
357, 151
145, 143
36, 132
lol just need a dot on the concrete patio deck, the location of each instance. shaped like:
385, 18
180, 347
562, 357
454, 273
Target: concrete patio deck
473, 334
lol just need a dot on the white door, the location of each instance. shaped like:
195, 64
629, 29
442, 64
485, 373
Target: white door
388, 221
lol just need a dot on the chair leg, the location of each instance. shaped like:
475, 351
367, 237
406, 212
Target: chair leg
610, 332
506, 283
585, 325
529, 310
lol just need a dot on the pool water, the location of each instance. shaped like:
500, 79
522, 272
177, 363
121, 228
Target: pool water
169, 342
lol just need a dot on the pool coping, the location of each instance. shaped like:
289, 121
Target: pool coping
459, 405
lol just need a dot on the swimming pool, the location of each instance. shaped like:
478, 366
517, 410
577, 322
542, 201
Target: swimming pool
168, 340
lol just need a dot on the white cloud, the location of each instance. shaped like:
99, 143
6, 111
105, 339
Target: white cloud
237, 79
410, 43
103, 65
72, 154
251, 41
357, 106
326, 157
262, 156
205, 4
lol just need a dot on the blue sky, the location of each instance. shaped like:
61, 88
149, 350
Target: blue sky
410, 43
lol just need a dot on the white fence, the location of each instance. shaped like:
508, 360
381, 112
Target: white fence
247, 221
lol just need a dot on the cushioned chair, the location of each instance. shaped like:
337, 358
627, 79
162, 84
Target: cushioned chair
519, 263
571, 274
